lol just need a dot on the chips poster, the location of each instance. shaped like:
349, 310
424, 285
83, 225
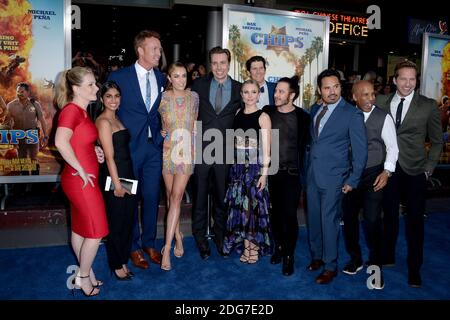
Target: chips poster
33, 44
291, 43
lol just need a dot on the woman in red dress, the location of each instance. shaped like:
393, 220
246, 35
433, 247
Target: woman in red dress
75, 137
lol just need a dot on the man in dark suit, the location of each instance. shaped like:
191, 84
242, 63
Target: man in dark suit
142, 85
416, 118
337, 159
256, 66
292, 124
219, 100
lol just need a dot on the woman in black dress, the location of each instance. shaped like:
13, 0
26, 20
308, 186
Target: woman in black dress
120, 204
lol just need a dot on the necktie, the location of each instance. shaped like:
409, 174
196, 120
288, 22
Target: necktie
261, 90
398, 116
218, 101
148, 96
319, 117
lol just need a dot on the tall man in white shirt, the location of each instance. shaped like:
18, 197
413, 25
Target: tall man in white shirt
142, 85
256, 66
416, 118
381, 159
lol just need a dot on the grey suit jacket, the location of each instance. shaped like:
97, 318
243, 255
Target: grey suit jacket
421, 121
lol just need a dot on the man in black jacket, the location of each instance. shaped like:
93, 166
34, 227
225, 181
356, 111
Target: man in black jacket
219, 100
292, 125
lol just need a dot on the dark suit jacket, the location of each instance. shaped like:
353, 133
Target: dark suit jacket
132, 111
206, 113
271, 88
303, 121
421, 121
330, 159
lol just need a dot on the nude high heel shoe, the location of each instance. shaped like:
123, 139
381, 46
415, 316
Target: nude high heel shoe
176, 251
165, 267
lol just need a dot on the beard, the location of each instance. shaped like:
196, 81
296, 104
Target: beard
281, 103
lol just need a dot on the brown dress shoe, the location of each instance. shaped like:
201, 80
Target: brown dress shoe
326, 277
138, 259
315, 265
154, 255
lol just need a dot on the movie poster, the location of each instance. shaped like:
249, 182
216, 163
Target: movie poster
33, 41
436, 81
436, 66
292, 44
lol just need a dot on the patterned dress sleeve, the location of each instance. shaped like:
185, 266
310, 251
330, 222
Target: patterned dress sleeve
69, 117
195, 103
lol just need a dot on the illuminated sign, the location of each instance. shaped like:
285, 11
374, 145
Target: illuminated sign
343, 24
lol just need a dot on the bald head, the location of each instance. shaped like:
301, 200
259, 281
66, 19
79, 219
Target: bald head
364, 95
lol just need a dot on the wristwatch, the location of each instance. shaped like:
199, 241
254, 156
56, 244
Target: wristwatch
389, 174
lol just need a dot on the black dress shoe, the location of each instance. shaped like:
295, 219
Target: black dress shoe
276, 257
288, 265
414, 280
205, 252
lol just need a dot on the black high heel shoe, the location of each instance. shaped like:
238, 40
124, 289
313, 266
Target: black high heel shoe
126, 278
78, 286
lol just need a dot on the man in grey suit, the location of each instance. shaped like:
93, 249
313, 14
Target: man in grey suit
416, 118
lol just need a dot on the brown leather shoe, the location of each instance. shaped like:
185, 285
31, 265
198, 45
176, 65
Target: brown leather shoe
138, 259
154, 255
326, 277
315, 265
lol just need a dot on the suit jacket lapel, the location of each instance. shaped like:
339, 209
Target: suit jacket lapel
159, 81
207, 88
135, 85
332, 119
413, 108
232, 97
314, 110
388, 105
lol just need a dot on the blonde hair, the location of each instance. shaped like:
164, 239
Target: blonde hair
67, 79
250, 81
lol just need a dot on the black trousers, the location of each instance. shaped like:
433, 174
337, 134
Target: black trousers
208, 178
284, 189
411, 190
120, 214
364, 197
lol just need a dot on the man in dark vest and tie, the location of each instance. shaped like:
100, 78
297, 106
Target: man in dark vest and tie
381, 159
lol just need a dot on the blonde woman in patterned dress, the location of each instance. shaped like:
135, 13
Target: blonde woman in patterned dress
178, 109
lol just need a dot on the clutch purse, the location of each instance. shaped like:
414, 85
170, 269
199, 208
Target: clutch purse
129, 184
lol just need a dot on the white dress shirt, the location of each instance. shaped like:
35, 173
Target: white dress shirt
142, 78
396, 100
389, 136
